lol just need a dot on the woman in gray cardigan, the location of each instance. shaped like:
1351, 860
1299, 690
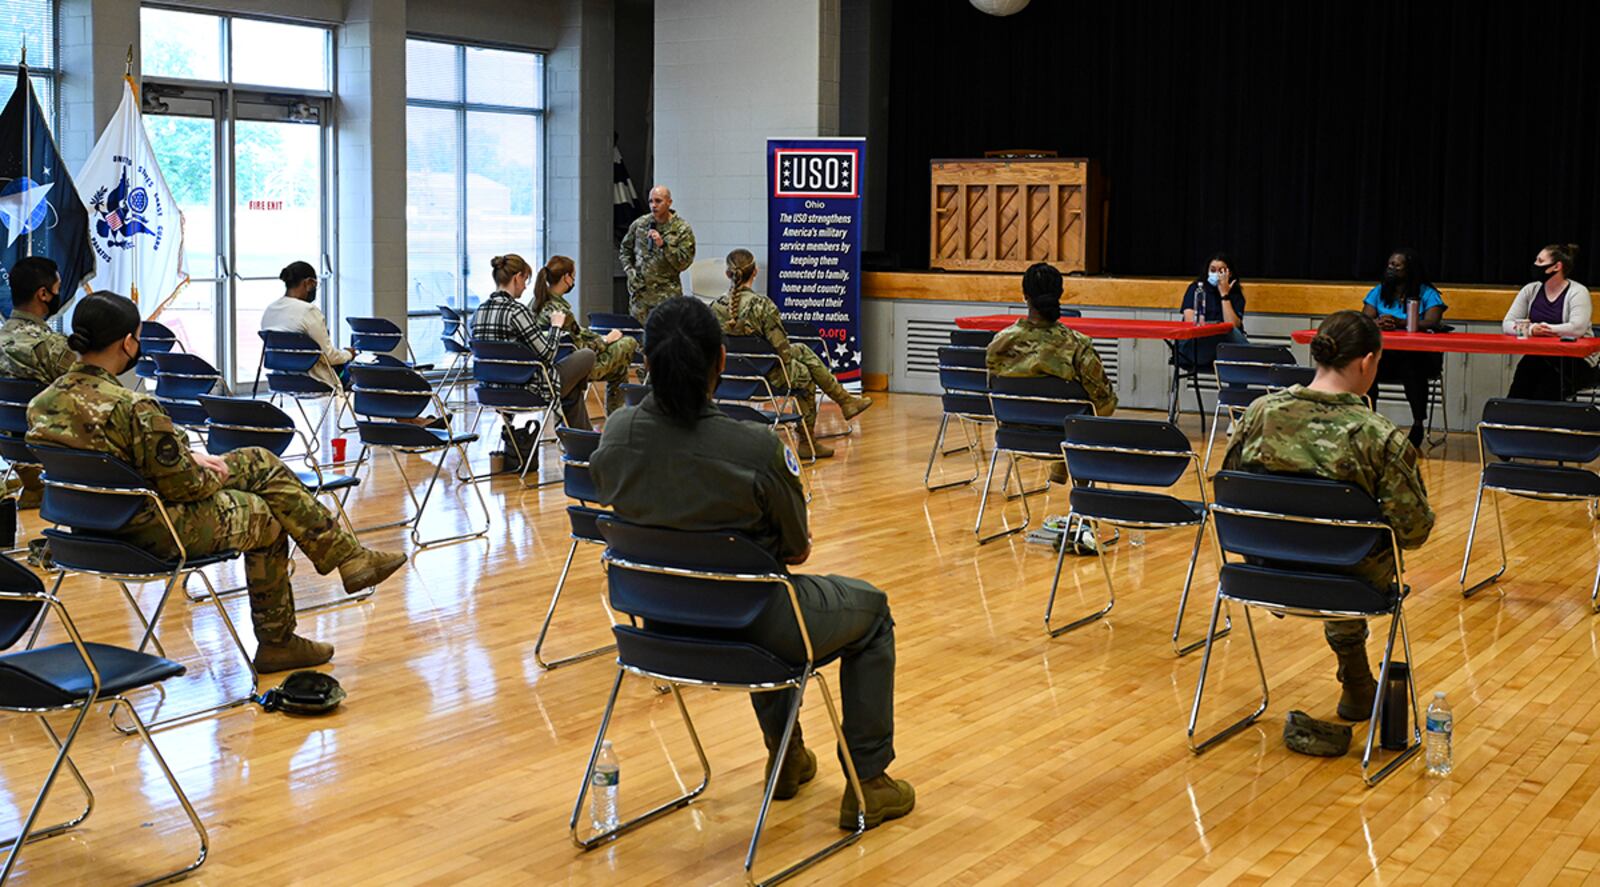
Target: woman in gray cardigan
1553, 305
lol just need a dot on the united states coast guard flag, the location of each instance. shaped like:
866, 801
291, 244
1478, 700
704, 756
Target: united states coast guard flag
40, 213
136, 229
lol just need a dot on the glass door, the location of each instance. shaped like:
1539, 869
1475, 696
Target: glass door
278, 215
184, 133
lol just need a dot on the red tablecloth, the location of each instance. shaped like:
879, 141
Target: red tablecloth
1107, 327
1476, 343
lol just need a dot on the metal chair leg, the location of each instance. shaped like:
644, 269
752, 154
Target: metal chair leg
1396, 622
1011, 466
1105, 569
936, 452
183, 799
416, 523
83, 787
544, 630
25, 833
1200, 688
1211, 440
1472, 530
238, 643
1183, 600
772, 783
622, 828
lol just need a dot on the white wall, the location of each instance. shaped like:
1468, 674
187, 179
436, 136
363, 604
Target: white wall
729, 74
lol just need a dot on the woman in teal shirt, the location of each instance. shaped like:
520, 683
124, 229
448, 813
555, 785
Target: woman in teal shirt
1404, 279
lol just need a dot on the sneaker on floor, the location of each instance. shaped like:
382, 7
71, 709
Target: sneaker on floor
296, 652
368, 568
887, 798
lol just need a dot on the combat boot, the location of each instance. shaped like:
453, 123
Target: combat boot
852, 405
887, 798
291, 653
808, 447
368, 568
799, 767
1355, 673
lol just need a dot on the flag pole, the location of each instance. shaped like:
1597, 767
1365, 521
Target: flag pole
27, 137
127, 78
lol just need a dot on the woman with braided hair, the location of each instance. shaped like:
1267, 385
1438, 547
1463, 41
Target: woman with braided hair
745, 312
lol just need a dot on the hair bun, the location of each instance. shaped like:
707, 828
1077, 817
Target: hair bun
497, 261
77, 343
1324, 349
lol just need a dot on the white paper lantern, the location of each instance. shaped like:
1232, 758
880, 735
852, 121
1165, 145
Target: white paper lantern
1000, 7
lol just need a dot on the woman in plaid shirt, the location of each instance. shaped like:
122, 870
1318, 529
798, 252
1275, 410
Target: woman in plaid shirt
502, 318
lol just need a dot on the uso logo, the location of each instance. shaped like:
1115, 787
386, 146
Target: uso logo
815, 172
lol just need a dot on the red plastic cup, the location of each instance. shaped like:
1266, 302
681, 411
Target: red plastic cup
338, 448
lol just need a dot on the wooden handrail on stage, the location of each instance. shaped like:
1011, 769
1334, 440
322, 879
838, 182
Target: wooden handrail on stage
1305, 297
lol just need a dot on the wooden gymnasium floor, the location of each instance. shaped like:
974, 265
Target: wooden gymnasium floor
456, 758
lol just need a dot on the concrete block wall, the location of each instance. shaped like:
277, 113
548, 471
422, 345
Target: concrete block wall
729, 74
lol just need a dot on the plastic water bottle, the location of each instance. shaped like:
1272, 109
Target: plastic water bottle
1440, 725
603, 786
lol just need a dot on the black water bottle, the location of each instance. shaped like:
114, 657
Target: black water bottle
1394, 732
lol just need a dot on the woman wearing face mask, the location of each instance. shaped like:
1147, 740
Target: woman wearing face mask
297, 312
1214, 297
1552, 305
1406, 279
613, 354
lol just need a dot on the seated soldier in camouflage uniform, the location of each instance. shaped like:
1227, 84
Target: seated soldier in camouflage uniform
1326, 429
745, 312
657, 249
31, 350
245, 501
745, 481
613, 353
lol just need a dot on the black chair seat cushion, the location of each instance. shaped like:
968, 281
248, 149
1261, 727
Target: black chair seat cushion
1301, 590
55, 675
285, 383
329, 481
743, 413
584, 524
1030, 439
15, 451
90, 553
403, 434
1551, 480
701, 659
1134, 506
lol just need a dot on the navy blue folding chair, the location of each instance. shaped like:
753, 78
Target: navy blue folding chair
744, 381
964, 375
1297, 542
1534, 449
1104, 457
512, 381
180, 380
971, 338
90, 496
604, 322
14, 397
453, 338
692, 601
73, 675
1244, 373
576, 449
289, 359
385, 396
154, 338
1028, 414
239, 422
377, 338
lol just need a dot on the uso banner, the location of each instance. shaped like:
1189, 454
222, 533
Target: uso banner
814, 242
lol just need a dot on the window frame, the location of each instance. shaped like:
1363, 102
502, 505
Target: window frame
51, 73
460, 108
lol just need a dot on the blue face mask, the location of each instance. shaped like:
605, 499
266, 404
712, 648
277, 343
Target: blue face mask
1213, 278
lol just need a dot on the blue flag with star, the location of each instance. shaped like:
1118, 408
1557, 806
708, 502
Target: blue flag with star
41, 213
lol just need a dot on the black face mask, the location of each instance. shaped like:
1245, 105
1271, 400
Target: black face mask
1542, 273
134, 360
1390, 275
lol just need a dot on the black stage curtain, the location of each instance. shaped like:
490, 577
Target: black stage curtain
1307, 139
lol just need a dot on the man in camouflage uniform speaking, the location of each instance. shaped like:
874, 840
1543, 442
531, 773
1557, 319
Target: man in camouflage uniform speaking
31, 350
245, 501
658, 247
1327, 430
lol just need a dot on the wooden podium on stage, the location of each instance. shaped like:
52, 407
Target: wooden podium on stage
1004, 215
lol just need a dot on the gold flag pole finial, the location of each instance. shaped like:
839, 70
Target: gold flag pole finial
127, 71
